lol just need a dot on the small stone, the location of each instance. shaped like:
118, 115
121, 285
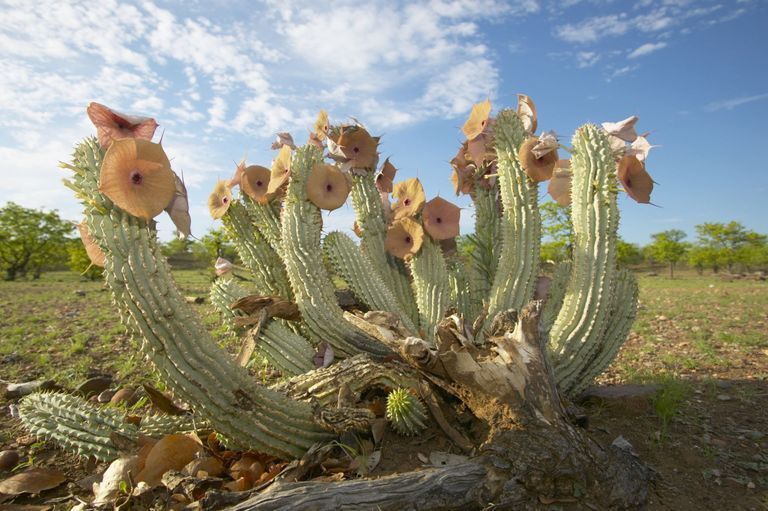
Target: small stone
751, 485
124, 395
16, 390
94, 386
722, 384
8, 460
106, 396
724, 397
11, 358
26, 440
753, 435
622, 443
79, 292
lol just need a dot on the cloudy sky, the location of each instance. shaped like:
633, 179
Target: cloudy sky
221, 77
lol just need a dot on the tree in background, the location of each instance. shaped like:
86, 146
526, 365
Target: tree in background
628, 254
668, 247
557, 230
704, 257
80, 262
725, 239
214, 244
31, 239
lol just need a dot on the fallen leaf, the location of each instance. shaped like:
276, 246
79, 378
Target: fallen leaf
117, 472
171, 452
33, 480
162, 402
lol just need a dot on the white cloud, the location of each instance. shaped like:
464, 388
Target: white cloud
587, 59
646, 49
730, 104
593, 29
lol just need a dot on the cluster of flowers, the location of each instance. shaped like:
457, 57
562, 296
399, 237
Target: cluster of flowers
475, 163
136, 174
353, 152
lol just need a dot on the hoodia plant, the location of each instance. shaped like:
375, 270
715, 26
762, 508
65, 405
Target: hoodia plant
432, 325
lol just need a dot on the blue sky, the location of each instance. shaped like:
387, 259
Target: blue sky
221, 77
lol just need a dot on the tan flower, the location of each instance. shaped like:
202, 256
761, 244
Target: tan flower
136, 175
537, 169
478, 119
358, 147
220, 199
321, 125
441, 219
178, 209
281, 170
526, 109
283, 138
635, 180
95, 254
480, 149
560, 185
410, 198
327, 187
111, 125
237, 177
404, 238
255, 182
624, 130
385, 177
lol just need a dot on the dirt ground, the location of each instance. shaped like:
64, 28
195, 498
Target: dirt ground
700, 345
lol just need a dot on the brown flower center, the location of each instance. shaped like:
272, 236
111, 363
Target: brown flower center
407, 202
356, 149
408, 240
224, 200
328, 187
136, 177
259, 183
439, 220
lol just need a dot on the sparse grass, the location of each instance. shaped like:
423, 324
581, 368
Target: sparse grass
63, 328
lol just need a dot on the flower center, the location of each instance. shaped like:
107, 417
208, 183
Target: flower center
259, 183
328, 187
225, 200
439, 220
356, 149
629, 183
136, 177
408, 239
407, 202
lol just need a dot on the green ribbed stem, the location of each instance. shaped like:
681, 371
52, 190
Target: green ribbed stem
621, 317
266, 218
406, 413
431, 286
176, 342
312, 287
356, 269
369, 213
555, 296
461, 280
518, 266
83, 429
487, 241
284, 349
257, 255
582, 322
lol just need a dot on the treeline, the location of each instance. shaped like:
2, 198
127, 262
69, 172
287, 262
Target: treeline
34, 241
717, 246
